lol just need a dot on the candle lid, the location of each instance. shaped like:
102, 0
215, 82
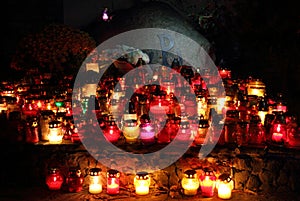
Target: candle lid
95, 171
142, 175
190, 173
53, 170
113, 173
208, 169
74, 172
225, 177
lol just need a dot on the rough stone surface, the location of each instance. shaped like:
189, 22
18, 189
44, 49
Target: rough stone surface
150, 15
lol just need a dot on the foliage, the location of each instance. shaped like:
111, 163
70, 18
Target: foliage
57, 47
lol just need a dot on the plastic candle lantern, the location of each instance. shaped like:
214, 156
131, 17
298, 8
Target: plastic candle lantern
74, 180
142, 183
208, 182
225, 73
147, 132
262, 109
279, 129
113, 182
95, 185
131, 131
164, 135
256, 87
32, 131
184, 133
55, 132
256, 131
45, 118
112, 132
190, 182
75, 138
202, 106
225, 186
54, 179
201, 131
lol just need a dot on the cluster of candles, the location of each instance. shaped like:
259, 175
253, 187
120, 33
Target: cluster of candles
244, 115
208, 183
75, 180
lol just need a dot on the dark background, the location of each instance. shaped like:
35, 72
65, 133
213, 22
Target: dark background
258, 38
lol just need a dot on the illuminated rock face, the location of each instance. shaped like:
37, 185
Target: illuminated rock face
149, 15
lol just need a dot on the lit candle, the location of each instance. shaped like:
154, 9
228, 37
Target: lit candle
257, 88
279, 128
225, 73
95, 185
55, 132
190, 183
54, 179
142, 183
147, 132
224, 186
208, 182
112, 132
113, 182
262, 116
131, 131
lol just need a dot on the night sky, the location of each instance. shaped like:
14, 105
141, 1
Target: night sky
259, 38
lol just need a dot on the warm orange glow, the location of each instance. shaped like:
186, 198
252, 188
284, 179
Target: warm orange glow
190, 185
142, 185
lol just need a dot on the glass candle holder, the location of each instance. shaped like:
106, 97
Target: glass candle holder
256, 132
256, 87
190, 182
208, 183
74, 180
279, 135
45, 118
164, 135
225, 186
113, 182
54, 179
142, 183
55, 132
131, 131
32, 131
75, 138
241, 134
95, 185
147, 133
112, 132
201, 131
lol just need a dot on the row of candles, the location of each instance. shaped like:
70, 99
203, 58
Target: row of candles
155, 115
241, 126
191, 182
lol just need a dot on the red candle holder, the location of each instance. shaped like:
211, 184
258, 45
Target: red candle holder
74, 180
164, 135
54, 179
279, 135
208, 182
147, 132
113, 182
112, 132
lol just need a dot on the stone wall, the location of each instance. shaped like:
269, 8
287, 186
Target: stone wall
254, 170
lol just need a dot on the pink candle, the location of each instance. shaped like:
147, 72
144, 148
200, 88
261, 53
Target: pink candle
208, 182
278, 133
277, 137
113, 182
